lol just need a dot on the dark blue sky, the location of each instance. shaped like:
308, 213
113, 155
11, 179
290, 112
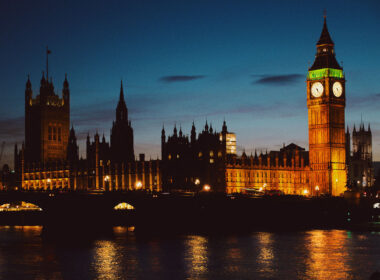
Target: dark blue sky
245, 61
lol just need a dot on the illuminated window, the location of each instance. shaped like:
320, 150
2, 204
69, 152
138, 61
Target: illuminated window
219, 154
169, 156
177, 155
200, 154
211, 160
211, 153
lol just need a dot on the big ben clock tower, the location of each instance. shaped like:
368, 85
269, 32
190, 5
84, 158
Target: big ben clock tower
326, 100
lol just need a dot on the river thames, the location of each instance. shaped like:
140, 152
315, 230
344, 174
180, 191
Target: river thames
26, 253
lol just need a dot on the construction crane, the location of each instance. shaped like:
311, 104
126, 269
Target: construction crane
2, 149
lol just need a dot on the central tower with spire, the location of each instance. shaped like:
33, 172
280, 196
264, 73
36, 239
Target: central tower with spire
326, 99
122, 133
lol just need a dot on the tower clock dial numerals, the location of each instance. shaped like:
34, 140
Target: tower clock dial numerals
337, 89
317, 89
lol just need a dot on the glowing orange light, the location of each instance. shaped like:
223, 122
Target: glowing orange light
206, 188
138, 185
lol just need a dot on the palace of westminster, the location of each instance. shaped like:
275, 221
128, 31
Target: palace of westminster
49, 158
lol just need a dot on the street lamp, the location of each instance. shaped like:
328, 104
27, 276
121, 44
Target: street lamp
336, 186
106, 180
305, 192
206, 188
49, 183
197, 181
138, 185
317, 190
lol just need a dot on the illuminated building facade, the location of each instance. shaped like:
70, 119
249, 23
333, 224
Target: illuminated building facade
286, 171
326, 99
292, 170
209, 158
230, 143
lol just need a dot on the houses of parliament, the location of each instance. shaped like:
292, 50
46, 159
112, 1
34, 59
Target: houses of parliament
49, 158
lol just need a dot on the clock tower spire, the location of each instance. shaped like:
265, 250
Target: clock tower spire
326, 100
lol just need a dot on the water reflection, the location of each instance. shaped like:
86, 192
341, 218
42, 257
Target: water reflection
314, 254
328, 257
196, 256
105, 261
233, 255
266, 254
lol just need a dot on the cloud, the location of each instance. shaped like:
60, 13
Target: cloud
369, 101
180, 78
12, 129
277, 80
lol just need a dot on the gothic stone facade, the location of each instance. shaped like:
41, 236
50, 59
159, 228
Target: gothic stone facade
50, 157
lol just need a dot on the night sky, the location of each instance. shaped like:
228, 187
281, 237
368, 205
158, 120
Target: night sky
184, 61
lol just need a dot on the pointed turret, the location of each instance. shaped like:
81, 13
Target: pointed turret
121, 109
180, 131
325, 57
66, 91
175, 130
28, 92
72, 147
28, 83
224, 127
43, 81
193, 134
163, 131
211, 130
325, 38
163, 137
163, 140
369, 128
65, 82
206, 126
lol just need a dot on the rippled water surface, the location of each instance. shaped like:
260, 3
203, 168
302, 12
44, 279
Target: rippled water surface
122, 254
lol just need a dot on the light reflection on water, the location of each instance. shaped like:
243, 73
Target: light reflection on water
328, 255
266, 255
196, 256
313, 254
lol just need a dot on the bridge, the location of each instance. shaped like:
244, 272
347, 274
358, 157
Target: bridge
90, 210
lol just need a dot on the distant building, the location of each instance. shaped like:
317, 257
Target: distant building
360, 165
47, 122
49, 159
189, 164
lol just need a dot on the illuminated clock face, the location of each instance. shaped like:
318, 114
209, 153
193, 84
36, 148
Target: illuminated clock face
337, 89
317, 89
